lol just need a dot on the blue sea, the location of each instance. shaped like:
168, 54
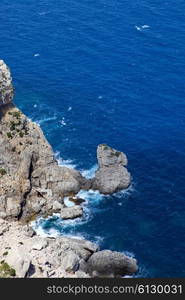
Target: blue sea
110, 71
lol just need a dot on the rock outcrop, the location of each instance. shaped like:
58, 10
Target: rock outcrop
108, 263
32, 184
6, 87
71, 212
30, 179
112, 175
35, 256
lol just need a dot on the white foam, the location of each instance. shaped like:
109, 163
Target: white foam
125, 192
128, 253
90, 195
69, 108
36, 54
63, 122
64, 162
98, 240
145, 26
90, 173
140, 28
46, 120
77, 237
43, 13
68, 203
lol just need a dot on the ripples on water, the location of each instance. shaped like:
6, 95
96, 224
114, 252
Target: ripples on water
112, 72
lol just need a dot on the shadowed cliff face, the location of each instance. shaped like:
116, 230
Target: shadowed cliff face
6, 87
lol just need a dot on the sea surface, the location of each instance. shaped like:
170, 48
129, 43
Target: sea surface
109, 71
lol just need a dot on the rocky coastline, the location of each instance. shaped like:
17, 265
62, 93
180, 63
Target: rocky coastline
33, 185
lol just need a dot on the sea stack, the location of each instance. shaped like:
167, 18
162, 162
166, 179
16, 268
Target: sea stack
112, 174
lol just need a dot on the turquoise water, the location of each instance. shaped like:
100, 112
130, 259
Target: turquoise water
112, 72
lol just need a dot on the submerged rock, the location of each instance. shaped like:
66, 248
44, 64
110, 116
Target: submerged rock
112, 175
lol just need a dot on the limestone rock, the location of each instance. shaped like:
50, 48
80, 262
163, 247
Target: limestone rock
19, 261
71, 212
29, 231
39, 243
108, 263
6, 88
108, 156
111, 176
70, 262
57, 206
30, 179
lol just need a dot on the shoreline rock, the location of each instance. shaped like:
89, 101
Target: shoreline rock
112, 175
63, 257
72, 212
32, 184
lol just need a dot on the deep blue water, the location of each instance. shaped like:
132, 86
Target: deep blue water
90, 72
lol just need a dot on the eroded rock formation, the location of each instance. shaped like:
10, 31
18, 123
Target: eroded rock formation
112, 175
32, 184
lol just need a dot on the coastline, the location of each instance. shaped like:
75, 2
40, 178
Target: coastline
32, 185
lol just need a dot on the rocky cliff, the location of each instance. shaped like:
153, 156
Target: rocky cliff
6, 87
33, 184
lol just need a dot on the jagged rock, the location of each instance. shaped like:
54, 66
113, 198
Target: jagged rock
71, 212
70, 262
108, 156
111, 176
37, 257
19, 261
57, 206
29, 231
6, 88
77, 200
108, 263
39, 244
30, 178
31, 181
83, 248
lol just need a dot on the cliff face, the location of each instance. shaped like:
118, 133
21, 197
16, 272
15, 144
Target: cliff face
6, 87
32, 184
